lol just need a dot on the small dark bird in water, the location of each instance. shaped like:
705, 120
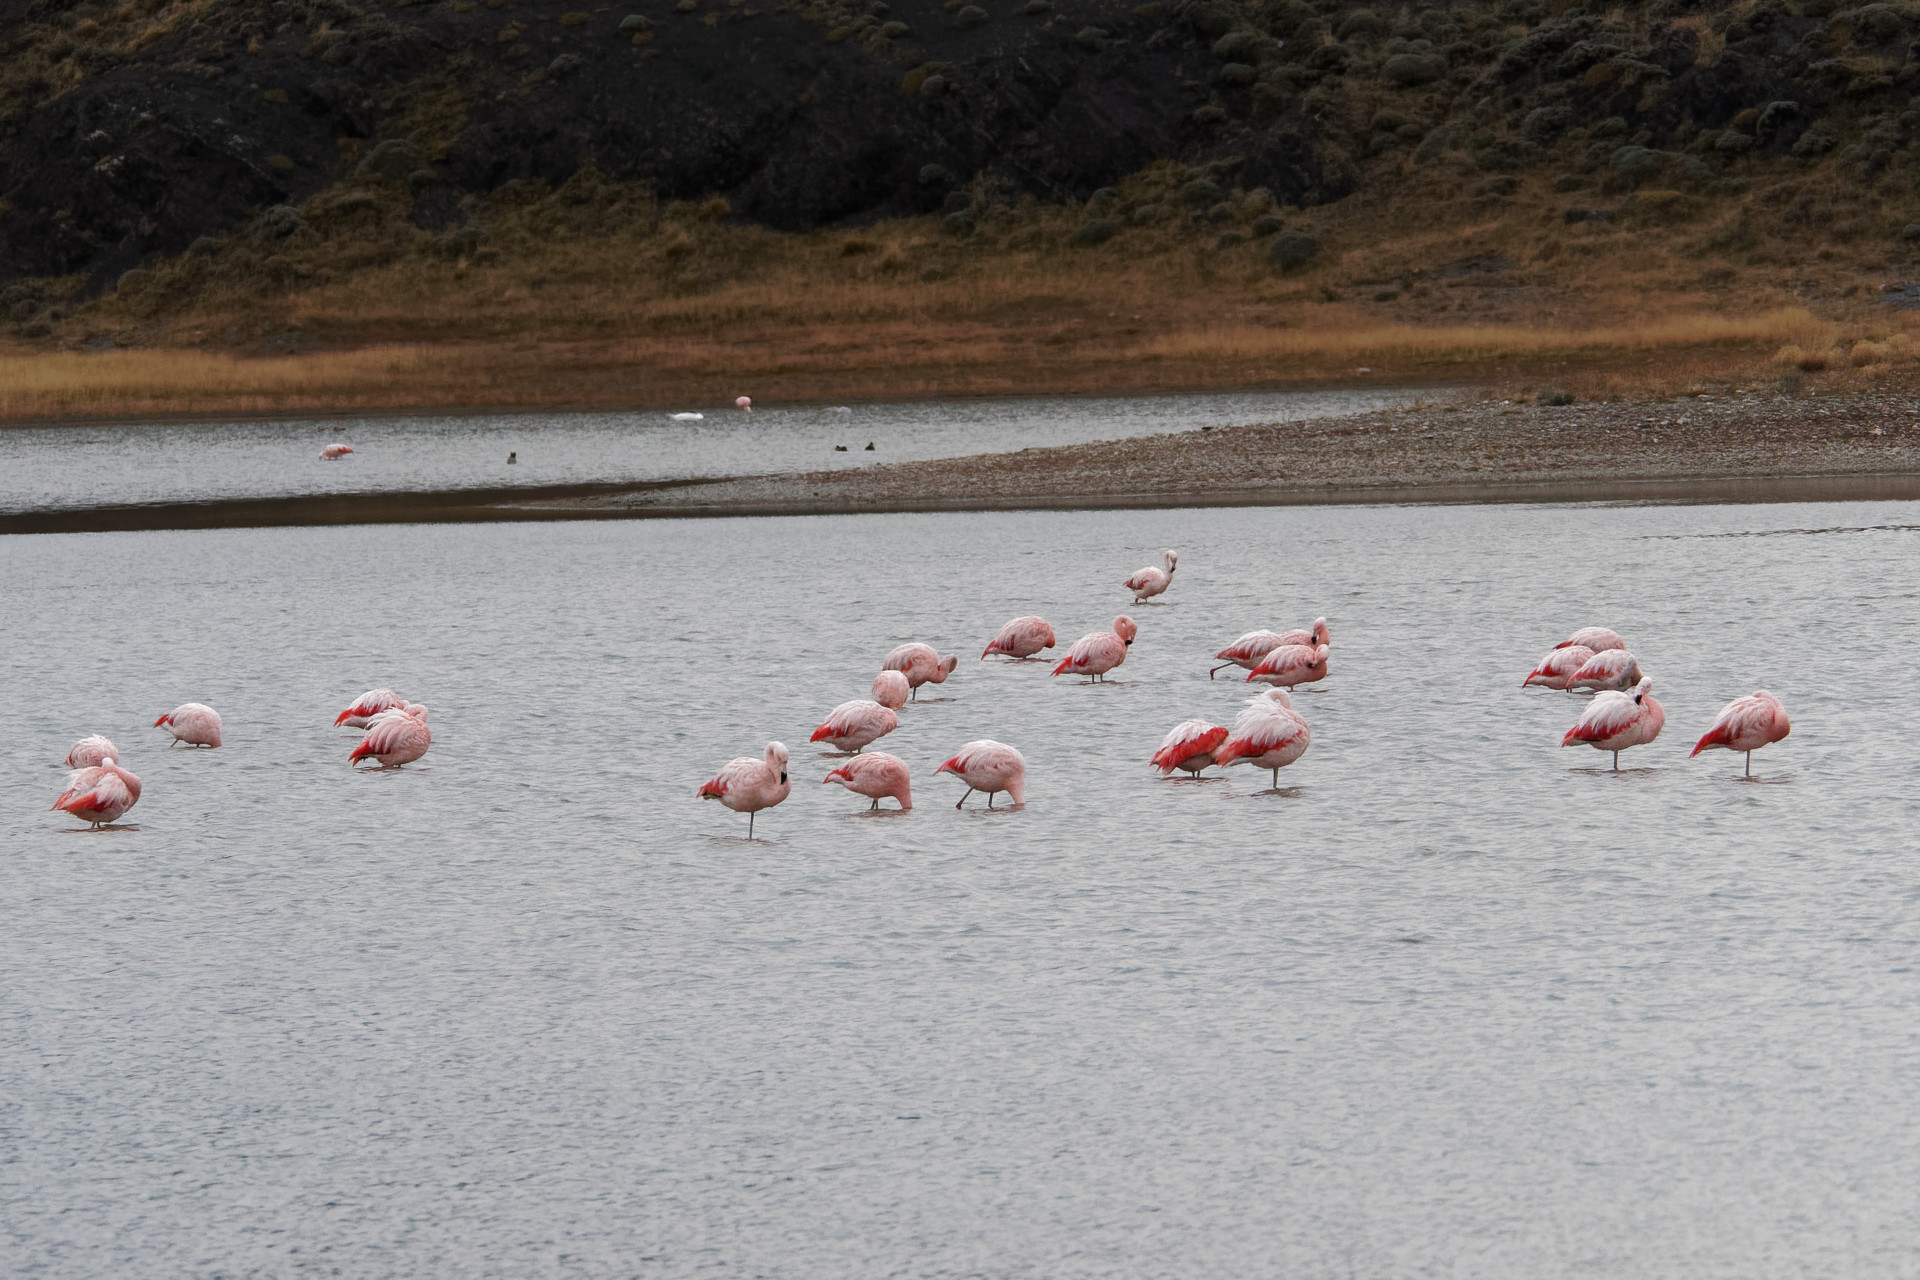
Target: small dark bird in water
513, 458
839, 448
869, 448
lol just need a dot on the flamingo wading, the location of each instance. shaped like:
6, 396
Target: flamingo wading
193, 723
1095, 654
746, 785
991, 767
100, 793
1614, 721
874, 775
1021, 638
852, 725
1149, 582
1746, 724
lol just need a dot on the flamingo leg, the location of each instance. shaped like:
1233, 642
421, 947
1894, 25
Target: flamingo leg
1616, 762
749, 826
990, 796
963, 799
873, 806
1749, 764
1276, 779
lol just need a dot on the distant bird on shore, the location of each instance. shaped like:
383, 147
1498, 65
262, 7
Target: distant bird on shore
1614, 721
1613, 669
991, 767
875, 775
90, 751
335, 452
1100, 652
99, 793
368, 705
920, 664
852, 725
1189, 745
193, 723
746, 785
891, 690
1021, 638
395, 737
1290, 665
744, 404
1149, 582
1267, 734
1746, 724
1598, 639
1558, 667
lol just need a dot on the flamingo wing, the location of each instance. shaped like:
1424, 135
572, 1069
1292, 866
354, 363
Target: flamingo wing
1187, 739
1608, 715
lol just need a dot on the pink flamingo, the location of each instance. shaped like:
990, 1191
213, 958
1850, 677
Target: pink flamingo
1100, 652
99, 793
746, 785
1021, 638
90, 751
1613, 669
367, 706
852, 725
1558, 667
874, 775
1268, 734
335, 452
1251, 648
890, 690
395, 737
1290, 665
920, 664
193, 723
1746, 724
1189, 746
1149, 582
1614, 721
991, 767
745, 405
1598, 639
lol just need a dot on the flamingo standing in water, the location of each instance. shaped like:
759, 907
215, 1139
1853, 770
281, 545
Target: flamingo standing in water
1613, 669
874, 775
395, 737
745, 405
746, 785
852, 725
1268, 734
335, 452
890, 690
1149, 582
1598, 639
1558, 667
1290, 665
99, 793
193, 723
1100, 652
991, 767
1190, 746
90, 751
1251, 648
1614, 721
1746, 724
1021, 638
920, 664
367, 706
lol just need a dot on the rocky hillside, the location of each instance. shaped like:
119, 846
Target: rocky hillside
130, 131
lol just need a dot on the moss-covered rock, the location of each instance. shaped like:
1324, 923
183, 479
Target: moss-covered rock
1292, 250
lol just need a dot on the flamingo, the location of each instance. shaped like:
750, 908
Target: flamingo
874, 775
1613, 669
920, 665
395, 737
1614, 721
90, 751
890, 690
746, 785
1558, 667
1290, 665
99, 793
368, 705
852, 725
745, 405
1268, 734
335, 452
1598, 639
1746, 724
991, 767
1021, 638
193, 723
1250, 648
1096, 654
1149, 582
1189, 746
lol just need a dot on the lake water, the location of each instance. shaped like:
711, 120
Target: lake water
186, 462
1456, 1002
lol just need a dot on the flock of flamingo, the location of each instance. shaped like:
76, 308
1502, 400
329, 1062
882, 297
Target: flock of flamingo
1268, 733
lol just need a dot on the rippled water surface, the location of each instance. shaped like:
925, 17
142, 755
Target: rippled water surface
183, 462
1455, 1002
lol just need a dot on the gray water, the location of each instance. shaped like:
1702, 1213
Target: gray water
1455, 1002
188, 462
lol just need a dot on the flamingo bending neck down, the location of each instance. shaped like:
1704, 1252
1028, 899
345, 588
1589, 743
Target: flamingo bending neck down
1150, 581
1598, 639
746, 785
1558, 667
1021, 638
1096, 654
100, 793
852, 725
193, 723
891, 690
1614, 721
1290, 665
367, 706
991, 767
90, 752
875, 774
1746, 724
1250, 648
920, 664
395, 737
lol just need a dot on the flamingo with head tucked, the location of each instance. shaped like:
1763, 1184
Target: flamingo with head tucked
991, 767
852, 725
1251, 648
920, 664
1290, 665
1096, 654
746, 785
395, 737
1746, 724
335, 452
1190, 746
90, 751
1150, 581
890, 690
1021, 638
99, 793
1614, 721
193, 723
874, 775
1598, 639
1268, 734
1558, 667
367, 706
1612, 669
745, 405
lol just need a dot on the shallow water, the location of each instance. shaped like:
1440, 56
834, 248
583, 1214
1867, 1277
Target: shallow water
186, 462
1455, 1002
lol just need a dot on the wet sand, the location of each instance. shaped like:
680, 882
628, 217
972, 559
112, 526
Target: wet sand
1733, 448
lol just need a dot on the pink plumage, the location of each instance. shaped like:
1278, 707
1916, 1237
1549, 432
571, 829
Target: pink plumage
1598, 639
1614, 669
1150, 581
193, 723
920, 664
1268, 734
1558, 667
891, 690
1190, 746
746, 785
852, 725
335, 452
368, 705
1100, 652
395, 737
100, 793
90, 751
991, 767
875, 775
1021, 638
1614, 721
1746, 724
1290, 665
